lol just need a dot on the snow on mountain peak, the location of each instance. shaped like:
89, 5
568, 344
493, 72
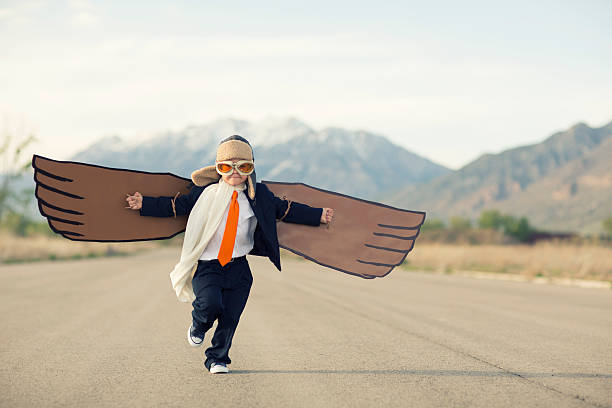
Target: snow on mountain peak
274, 130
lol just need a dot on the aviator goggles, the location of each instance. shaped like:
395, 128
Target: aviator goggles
243, 167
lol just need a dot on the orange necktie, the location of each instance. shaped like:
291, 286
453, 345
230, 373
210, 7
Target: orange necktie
229, 235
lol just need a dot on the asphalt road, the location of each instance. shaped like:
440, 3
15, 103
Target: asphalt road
110, 332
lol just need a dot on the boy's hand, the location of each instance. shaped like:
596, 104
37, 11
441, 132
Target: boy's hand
134, 201
326, 215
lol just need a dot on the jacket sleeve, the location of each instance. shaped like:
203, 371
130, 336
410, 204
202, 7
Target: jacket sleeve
293, 211
162, 206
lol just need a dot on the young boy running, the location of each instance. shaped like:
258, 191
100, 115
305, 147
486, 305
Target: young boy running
230, 216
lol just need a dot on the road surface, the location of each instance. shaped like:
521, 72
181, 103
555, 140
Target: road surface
110, 332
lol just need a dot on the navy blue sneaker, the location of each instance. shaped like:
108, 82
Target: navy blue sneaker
194, 339
218, 368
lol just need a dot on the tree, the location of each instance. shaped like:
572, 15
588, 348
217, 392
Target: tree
433, 225
491, 219
518, 228
607, 224
13, 165
460, 223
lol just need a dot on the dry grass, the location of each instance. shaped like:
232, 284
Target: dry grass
550, 260
18, 249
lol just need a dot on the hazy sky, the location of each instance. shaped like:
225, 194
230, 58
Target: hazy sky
448, 80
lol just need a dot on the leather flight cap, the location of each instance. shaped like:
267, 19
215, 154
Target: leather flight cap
234, 147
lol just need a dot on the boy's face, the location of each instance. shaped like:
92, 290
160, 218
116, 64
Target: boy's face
235, 178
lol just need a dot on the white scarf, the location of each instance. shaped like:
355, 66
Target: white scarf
203, 221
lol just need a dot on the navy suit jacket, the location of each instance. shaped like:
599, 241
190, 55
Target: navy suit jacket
266, 206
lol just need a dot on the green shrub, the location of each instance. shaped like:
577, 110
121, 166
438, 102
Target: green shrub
460, 223
517, 228
607, 225
23, 226
491, 219
435, 224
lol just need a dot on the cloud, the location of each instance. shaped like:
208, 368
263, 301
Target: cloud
6, 14
21, 12
83, 13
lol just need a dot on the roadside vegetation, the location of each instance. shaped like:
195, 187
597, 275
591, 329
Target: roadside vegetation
501, 243
552, 260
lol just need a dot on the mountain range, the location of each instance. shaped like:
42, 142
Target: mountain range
357, 163
563, 183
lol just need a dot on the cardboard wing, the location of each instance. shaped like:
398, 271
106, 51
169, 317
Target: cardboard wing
365, 238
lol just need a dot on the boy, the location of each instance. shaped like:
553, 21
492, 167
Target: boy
224, 225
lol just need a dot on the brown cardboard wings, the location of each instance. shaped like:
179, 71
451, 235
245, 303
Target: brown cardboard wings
86, 202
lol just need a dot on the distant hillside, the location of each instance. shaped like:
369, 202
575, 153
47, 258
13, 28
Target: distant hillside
352, 162
563, 183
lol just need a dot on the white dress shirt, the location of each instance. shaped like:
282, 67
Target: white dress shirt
244, 233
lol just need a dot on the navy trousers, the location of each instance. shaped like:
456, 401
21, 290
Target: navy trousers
221, 293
